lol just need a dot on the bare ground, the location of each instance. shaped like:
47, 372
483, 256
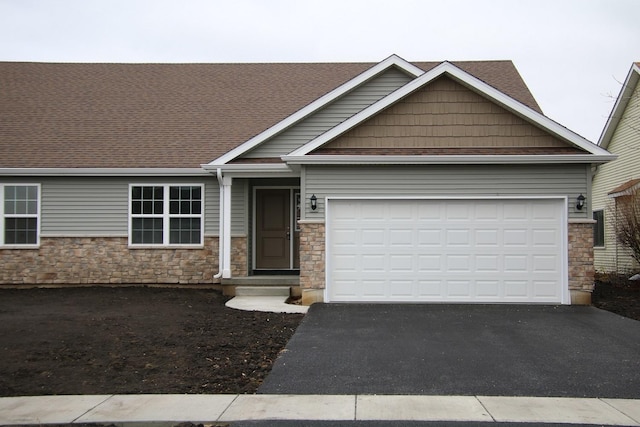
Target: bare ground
153, 340
134, 340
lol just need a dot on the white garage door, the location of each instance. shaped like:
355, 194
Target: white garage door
446, 250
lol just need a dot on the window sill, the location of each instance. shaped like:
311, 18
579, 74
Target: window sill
600, 247
12, 247
166, 246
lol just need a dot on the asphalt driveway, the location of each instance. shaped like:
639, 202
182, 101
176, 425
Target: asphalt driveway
431, 349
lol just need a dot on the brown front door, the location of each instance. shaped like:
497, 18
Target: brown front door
273, 229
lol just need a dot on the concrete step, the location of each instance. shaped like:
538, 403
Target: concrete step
262, 281
263, 291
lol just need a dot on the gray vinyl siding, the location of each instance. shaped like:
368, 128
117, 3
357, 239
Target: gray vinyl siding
331, 115
99, 206
445, 181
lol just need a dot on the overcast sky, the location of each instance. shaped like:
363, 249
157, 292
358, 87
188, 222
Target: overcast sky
573, 54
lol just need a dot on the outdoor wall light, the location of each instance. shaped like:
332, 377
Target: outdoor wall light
314, 202
581, 200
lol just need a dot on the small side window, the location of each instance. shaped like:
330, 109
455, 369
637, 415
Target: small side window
598, 229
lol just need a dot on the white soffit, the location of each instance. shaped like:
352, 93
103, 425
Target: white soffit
470, 82
319, 103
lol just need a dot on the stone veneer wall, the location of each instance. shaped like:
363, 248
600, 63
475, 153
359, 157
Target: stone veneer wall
312, 252
581, 269
102, 260
239, 256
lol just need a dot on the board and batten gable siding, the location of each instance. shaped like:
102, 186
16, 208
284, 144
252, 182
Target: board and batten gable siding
445, 114
415, 181
625, 142
99, 206
331, 115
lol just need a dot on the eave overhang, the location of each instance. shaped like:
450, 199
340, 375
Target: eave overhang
448, 160
260, 170
629, 85
102, 171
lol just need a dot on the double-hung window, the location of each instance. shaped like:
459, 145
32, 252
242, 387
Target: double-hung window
20, 215
166, 215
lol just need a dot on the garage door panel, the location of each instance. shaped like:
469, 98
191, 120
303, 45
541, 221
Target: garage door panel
459, 289
487, 238
458, 237
401, 237
430, 263
446, 250
544, 237
515, 212
518, 237
430, 238
458, 263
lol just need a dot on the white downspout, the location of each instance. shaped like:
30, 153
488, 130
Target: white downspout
220, 225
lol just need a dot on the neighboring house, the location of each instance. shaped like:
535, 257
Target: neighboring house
613, 181
395, 181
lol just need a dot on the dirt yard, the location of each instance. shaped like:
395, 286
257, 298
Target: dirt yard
151, 340
618, 295
134, 340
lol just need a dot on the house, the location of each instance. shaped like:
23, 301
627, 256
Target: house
613, 181
394, 181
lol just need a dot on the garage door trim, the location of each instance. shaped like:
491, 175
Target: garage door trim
565, 295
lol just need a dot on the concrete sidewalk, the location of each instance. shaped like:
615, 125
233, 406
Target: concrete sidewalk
172, 409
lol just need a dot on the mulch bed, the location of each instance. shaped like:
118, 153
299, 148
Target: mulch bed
134, 340
131, 340
618, 295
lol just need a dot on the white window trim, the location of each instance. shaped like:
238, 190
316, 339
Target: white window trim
38, 216
166, 217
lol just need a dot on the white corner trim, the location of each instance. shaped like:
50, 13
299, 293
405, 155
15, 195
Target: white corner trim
467, 80
391, 61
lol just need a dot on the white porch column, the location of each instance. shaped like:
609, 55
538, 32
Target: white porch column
226, 227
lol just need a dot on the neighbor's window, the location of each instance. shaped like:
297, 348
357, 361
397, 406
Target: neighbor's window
598, 228
166, 215
20, 214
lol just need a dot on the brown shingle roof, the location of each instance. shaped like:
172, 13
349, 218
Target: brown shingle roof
625, 186
167, 115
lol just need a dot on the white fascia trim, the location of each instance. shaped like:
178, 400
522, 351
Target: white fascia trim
279, 170
620, 105
101, 171
393, 60
445, 159
472, 83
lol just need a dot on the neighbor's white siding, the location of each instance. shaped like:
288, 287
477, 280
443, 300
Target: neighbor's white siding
625, 142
